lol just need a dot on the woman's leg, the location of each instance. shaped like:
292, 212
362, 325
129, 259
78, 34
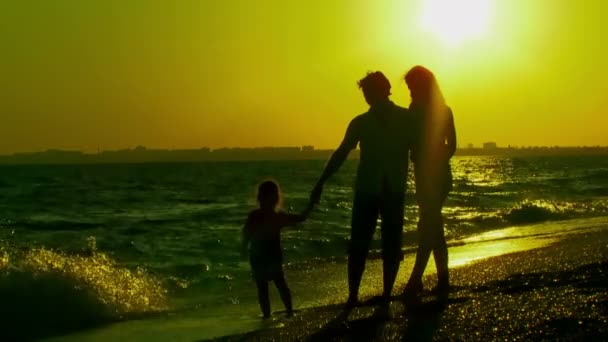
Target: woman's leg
284, 292
440, 253
423, 252
440, 250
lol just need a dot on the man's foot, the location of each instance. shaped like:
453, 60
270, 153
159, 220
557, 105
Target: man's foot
289, 314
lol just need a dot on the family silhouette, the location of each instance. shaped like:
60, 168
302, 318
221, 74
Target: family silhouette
388, 136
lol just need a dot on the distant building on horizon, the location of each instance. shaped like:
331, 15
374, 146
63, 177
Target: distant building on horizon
489, 146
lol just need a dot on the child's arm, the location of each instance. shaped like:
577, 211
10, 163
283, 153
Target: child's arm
293, 219
245, 237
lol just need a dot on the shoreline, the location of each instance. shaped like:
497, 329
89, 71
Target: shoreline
551, 292
481, 270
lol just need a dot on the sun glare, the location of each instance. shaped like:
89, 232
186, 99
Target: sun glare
456, 21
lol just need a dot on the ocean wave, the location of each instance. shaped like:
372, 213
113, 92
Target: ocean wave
466, 220
594, 175
533, 211
57, 224
595, 191
530, 211
191, 200
57, 292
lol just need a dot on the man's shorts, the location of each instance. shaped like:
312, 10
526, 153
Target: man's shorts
366, 209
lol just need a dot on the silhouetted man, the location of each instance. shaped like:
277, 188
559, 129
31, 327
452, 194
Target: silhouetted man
385, 135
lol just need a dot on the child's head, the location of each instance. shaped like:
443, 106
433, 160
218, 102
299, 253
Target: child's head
269, 194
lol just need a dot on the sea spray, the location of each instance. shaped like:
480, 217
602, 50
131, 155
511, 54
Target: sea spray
58, 292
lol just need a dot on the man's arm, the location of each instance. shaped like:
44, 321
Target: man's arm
350, 141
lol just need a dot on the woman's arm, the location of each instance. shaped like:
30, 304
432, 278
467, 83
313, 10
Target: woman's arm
451, 134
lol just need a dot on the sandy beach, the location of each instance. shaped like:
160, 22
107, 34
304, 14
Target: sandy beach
544, 281
556, 292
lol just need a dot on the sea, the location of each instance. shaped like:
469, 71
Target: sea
133, 242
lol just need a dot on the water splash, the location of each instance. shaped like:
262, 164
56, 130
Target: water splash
124, 292
58, 293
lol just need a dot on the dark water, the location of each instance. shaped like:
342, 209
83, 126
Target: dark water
181, 222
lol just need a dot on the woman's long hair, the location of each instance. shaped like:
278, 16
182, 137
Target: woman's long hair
425, 90
428, 101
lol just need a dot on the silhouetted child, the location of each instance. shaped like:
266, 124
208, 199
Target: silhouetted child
262, 235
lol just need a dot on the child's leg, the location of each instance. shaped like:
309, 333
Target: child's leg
281, 284
263, 297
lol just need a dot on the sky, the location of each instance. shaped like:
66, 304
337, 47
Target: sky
112, 74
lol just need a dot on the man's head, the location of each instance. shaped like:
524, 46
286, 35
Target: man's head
376, 87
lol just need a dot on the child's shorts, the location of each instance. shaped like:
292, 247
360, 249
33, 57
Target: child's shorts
266, 271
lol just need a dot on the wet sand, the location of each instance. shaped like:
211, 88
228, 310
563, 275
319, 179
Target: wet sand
549, 293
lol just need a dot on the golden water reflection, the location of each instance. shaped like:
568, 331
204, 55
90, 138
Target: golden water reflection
469, 253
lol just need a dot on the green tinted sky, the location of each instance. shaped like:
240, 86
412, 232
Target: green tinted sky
178, 74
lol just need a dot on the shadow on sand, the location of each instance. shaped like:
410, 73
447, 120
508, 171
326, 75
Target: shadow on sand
431, 318
418, 322
587, 278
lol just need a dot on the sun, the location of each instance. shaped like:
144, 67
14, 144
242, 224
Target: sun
456, 21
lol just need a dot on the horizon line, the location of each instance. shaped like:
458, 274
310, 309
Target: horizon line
301, 148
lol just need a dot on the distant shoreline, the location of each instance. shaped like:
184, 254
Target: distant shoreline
144, 155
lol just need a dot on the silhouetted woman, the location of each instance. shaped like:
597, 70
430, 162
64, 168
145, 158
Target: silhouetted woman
431, 156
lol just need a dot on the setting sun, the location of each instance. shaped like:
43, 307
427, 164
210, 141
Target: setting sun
456, 21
